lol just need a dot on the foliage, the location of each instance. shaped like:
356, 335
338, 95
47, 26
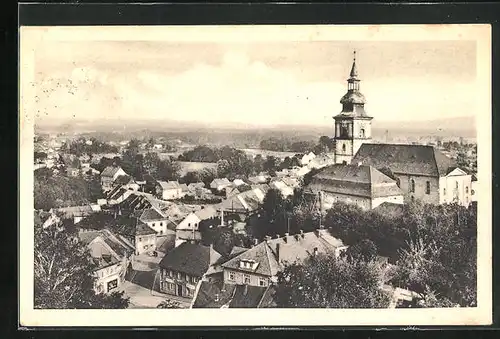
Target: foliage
329, 282
223, 239
63, 274
434, 247
91, 146
60, 191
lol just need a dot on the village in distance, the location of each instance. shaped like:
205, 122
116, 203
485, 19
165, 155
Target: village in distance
350, 215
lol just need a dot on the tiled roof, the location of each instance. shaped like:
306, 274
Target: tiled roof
121, 224
365, 181
221, 182
143, 229
169, 185
206, 213
123, 180
74, 211
261, 253
405, 159
299, 247
193, 259
271, 254
217, 295
151, 214
110, 171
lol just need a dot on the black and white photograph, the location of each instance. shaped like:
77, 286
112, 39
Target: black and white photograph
312, 175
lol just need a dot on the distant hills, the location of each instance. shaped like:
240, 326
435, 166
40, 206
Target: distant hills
444, 127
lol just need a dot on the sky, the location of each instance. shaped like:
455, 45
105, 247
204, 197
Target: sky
251, 82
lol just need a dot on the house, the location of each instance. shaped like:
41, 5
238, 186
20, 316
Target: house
109, 175
76, 213
184, 266
192, 187
231, 190
112, 257
258, 179
128, 229
260, 265
307, 158
285, 190
184, 189
243, 203
238, 182
362, 185
156, 220
221, 295
422, 172
169, 190
321, 161
188, 229
220, 184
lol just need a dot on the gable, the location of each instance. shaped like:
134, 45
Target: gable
456, 172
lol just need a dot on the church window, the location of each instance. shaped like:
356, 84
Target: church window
444, 191
412, 186
427, 187
362, 133
343, 148
467, 189
456, 185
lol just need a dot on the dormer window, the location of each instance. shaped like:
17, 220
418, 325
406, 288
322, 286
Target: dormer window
248, 264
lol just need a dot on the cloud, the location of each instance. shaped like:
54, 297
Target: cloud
242, 90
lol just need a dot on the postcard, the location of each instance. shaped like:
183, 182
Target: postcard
255, 175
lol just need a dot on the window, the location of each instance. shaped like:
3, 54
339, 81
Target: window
140, 239
161, 232
145, 247
412, 186
246, 278
427, 187
189, 224
467, 189
362, 133
444, 191
179, 275
161, 224
472, 192
195, 280
262, 282
231, 276
170, 274
456, 184
344, 162
343, 148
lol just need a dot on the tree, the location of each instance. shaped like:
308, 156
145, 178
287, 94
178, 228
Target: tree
271, 164
63, 274
223, 168
327, 143
192, 177
364, 250
258, 163
151, 163
325, 281
168, 170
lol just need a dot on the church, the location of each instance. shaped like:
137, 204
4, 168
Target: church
420, 172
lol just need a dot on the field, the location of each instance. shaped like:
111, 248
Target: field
254, 151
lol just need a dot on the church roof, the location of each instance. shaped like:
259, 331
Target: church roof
353, 97
405, 159
354, 70
364, 181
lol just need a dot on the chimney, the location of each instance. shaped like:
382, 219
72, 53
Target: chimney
286, 237
315, 251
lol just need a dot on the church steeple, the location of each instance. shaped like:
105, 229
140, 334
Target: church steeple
352, 125
353, 81
354, 69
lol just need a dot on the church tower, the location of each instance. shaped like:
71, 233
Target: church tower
353, 126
